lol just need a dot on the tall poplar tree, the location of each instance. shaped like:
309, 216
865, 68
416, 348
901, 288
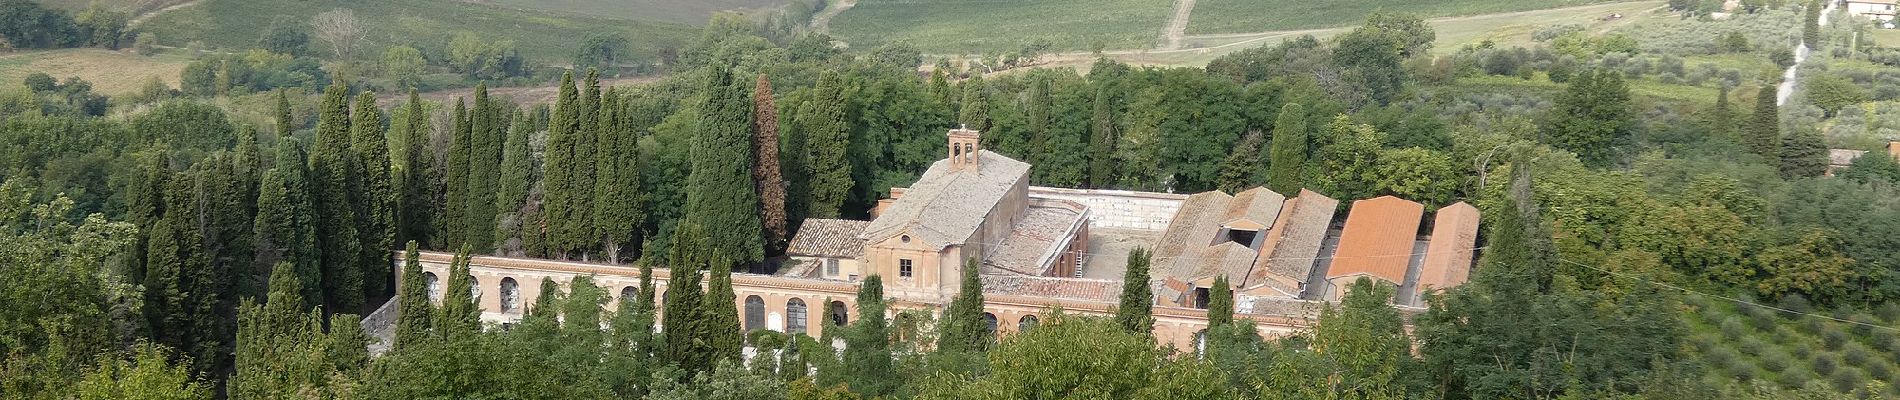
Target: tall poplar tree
867, 351
285, 228
579, 226
414, 175
1722, 120
1136, 311
1763, 133
286, 123
180, 300
719, 194
1288, 159
413, 319
1102, 139
454, 218
828, 141
331, 164
558, 201
377, 199
765, 166
486, 130
963, 328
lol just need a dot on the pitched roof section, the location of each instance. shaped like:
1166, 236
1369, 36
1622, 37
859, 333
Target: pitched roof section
1193, 228
1292, 247
1254, 209
1378, 239
834, 238
1037, 238
1061, 288
1448, 257
947, 205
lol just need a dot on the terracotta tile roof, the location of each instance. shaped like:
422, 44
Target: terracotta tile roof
1060, 288
1378, 239
834, 238
1292, 246
1448, 257
1229, 259
1036, 238
1194, 227
947, 205
1893, 149
1254, 209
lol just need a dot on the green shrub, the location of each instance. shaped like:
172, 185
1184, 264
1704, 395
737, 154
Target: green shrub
1856, 354
1824, 363
1880, 371
1750, 345
1733, 329
1773, 361
1720, 358
1794, 377
1742, 372
1801, 350
1845, 379
1888, 313
1833, 338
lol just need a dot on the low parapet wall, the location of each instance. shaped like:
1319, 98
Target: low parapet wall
1119, 209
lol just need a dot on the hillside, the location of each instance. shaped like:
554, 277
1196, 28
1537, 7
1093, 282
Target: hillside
429, 23
978, 26
110, 72
1236, 16
679, 11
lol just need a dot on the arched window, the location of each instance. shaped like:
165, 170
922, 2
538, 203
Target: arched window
839, 316
510, 295
795, 316
990, 321
1028, 321
475, 289
435, 286
754, 313
629, 293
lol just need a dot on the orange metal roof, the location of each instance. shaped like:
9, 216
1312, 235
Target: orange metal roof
1378, 239
1448, 257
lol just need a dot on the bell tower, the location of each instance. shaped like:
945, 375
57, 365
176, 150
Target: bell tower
964, 145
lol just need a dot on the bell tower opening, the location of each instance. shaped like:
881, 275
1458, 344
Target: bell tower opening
965, 144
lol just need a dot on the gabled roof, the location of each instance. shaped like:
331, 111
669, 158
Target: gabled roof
1061, 288
832, 238
1194, 227
1292, 247
1448, 257
1229, 259
947, 205
1254, 209
1378, 239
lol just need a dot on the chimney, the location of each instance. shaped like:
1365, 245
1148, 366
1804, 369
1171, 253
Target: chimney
964, 145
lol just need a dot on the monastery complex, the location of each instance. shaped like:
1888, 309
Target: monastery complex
1040, 247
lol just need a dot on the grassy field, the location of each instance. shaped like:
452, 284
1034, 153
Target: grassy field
111, 72
1744, 342
680, 11
541, 37
978, 26
1233, 16
1886, 37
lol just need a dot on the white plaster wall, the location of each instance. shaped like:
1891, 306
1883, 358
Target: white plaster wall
1120, 209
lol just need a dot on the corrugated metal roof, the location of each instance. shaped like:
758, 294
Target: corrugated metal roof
1448, 257
1378, 239
834, 238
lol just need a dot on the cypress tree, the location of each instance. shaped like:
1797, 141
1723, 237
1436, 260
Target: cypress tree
1220, 303
338, 245
963, 328
579, 226
286, 124
640, 336
1723, 119
277, 347
460, 312
486, 127
580, 316
412, 323
976, 109
1237, 171
685, 347
146, 204
285, 228
223, 200
828, 140
617, 208
719, 193
1288, 158
180, 305
1136, 311
722, 330
454, 219
348, 345
377, 200
1102, 140
557, 205
517, 178
765, 166
867, 351
415, 175
1763, 133
1803, 154
1811, 24
1591, 116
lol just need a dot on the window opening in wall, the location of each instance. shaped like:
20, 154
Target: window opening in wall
795, 316
1200, 297
754, 313
1242, 236
903, 268
510, 295
831, 267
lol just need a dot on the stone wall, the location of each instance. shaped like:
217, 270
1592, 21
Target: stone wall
1120, 209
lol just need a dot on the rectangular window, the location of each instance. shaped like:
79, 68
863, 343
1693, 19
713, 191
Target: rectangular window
903, 267
831, 267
